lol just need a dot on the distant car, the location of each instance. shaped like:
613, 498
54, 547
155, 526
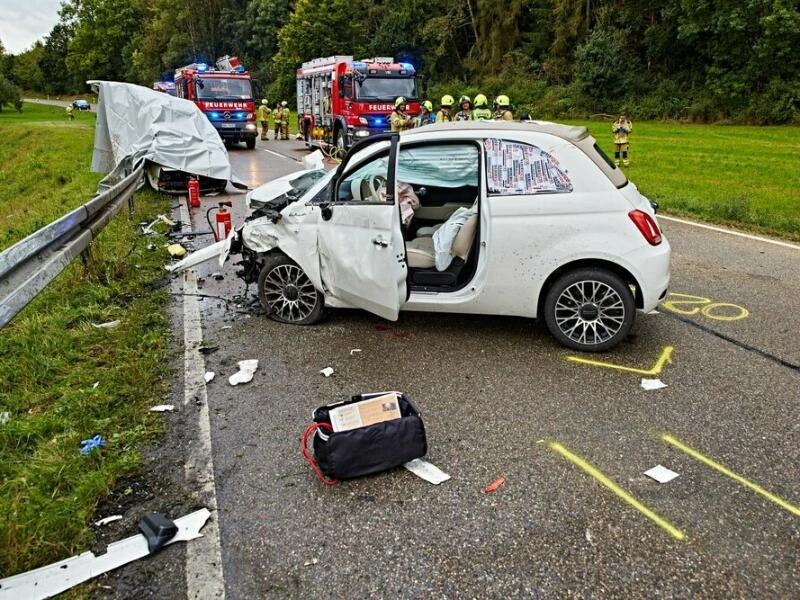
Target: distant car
81, 105
499, 218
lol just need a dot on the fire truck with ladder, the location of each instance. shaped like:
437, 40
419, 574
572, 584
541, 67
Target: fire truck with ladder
341, 101
224, 94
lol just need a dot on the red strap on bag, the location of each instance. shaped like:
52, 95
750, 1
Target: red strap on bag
310, 430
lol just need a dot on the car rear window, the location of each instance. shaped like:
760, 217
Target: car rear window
514, 168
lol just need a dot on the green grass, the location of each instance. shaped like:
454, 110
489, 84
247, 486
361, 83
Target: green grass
51, 356
746, 176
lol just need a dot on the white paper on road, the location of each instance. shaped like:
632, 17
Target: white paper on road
247, 368
327, 371
135, 123
661, 474
427, 471
162, 408
209, 376
48, 581
653, 384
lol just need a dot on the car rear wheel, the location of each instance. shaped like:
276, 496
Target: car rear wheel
250, 142
286, 292
589, 310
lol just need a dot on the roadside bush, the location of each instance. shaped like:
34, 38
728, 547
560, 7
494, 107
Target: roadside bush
603, 68
9, 95
778, 103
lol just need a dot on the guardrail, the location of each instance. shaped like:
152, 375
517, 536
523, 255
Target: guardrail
28, 266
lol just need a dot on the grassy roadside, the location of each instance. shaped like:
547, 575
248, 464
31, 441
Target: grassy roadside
746, 176
61, 379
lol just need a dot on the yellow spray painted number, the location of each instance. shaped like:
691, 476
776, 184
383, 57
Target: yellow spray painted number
686, 304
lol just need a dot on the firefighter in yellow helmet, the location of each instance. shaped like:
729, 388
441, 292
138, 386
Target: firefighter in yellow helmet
445, 115
501, 110
426, 116
481, 109
621, 129
70, 113
400, 119
263, 118
282, 115
465, 109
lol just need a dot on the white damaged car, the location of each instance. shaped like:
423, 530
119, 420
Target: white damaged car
484, 218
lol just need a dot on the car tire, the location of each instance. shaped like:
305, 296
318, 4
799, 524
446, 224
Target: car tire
251, 143
287, 293
590, 309
340, 142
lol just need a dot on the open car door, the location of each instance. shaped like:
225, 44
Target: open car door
361, 248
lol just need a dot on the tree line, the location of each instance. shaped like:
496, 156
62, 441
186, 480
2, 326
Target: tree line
704, 60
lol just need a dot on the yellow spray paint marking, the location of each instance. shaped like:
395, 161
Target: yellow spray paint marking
618, 491
715, 465
704, 306
665, 357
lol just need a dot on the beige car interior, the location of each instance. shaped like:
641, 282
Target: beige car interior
420, 250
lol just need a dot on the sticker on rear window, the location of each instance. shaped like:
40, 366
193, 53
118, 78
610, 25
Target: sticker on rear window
516, 168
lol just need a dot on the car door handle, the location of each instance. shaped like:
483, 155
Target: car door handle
379, 241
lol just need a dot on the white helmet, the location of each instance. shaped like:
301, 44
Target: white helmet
283, 103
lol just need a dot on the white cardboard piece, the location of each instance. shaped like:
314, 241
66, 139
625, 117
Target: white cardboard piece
427, 471
327, 371
162, 408
209, 376
653, 384
661, 474
247, 368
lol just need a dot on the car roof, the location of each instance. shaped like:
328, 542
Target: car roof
575, 134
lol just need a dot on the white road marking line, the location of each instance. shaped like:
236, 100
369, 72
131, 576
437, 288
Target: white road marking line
204, 576
731, 232
279, 155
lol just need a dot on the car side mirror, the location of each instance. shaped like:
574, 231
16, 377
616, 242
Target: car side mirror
326, 211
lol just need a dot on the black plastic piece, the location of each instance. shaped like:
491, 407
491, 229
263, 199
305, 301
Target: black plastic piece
158, 530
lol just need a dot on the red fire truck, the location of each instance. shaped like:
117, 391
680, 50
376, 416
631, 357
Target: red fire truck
224, 94
340, 101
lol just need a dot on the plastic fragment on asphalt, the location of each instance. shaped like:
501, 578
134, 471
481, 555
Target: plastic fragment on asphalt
209, 376
654, 312
247, 368
48, 581
494, 485
327, 371
652, 384
427, 471
311, 562
107, 520
176, 250
218, 276
354, 350
95, 442
162, 408
108, 325
589, 537
661, 474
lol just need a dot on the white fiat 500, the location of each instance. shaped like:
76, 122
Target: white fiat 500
482, 217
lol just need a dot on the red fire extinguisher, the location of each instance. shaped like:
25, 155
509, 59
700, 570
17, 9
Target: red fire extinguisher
194, 192
222, 220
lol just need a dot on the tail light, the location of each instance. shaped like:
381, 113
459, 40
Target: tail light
647, 226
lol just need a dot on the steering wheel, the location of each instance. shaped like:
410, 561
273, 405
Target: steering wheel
377, 184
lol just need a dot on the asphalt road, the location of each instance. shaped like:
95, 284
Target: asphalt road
499, 398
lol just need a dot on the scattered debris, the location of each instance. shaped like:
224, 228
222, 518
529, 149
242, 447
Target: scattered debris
494, 485
205, 350
200, 282
661, 474
151, 247
4, 417
107, 520
95, 384
653, 384
218, 276
147, 228
327, 371
209, 376
354, 350
51, 580
176, 250
108, 325
654, 312
163, 408
227, 327
88, 445
427, 471
311, 562
247, 368
589, 537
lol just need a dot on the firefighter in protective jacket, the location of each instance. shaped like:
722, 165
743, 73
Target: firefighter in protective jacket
400, 119
465, 112
263, 118
282, 115
445, 115
481, 108
501, 110
426, 116
621, 128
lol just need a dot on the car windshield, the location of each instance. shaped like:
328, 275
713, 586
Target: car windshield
303, 183
223, 88
387, 88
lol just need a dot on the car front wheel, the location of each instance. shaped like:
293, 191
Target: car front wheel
286, 292
589, 310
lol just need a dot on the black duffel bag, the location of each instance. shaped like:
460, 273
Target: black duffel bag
365, 450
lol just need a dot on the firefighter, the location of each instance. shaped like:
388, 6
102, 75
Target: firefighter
282, 115
444, 115
263, 118
621, 128
465, 114
481, 108
501, 111
426, 116
70, 114
400, 119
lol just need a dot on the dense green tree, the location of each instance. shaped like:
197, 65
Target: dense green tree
9, 95
53, 61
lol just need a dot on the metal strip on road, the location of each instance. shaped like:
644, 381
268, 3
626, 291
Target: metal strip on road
748, 236
286, 156
204, 574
